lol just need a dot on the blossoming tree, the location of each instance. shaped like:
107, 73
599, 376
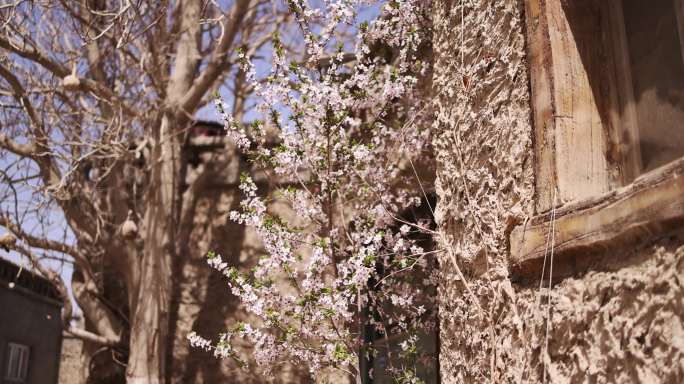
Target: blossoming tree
349, 134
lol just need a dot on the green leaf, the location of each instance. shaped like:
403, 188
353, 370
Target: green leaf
340, 353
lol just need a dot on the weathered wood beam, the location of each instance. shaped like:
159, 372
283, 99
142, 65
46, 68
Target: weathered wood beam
586, 231
541, 84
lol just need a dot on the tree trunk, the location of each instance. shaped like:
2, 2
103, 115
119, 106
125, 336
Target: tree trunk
149, 331
150, 317
149, 328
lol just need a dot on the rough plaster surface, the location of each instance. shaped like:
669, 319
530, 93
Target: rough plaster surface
72, 362
483, 126
622, 322
621, 326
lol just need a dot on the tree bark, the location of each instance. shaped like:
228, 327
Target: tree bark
150, 317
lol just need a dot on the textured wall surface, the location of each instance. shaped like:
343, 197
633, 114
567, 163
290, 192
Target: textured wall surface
203, 300
72, 362
620, 322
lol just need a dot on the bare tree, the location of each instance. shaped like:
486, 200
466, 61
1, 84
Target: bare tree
98, 98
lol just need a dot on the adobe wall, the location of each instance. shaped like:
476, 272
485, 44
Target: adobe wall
203, 301
619, 322
73, 363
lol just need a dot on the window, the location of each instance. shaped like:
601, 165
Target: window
648, 54
17, 363
607, 80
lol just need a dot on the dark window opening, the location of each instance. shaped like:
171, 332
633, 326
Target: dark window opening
383, 345
652, 30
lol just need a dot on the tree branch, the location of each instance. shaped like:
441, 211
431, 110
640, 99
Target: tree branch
218, 62
48, 170
43, 157
61, 71
24, 150
67, 310
84, 335
34, 55
36, 242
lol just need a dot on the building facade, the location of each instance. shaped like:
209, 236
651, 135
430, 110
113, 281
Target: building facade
30, 327
559, 143
559, 148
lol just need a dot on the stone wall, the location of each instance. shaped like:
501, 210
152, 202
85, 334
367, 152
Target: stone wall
621, 321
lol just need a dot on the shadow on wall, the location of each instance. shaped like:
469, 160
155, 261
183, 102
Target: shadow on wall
203, 301
215, 305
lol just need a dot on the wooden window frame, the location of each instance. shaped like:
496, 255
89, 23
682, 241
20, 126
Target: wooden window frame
586, 166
